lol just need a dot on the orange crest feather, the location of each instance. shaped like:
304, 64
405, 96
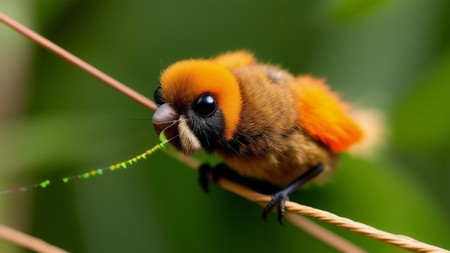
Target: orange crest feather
324, 116
235, 59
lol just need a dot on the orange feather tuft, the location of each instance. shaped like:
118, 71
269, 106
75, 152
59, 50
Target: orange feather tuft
324, 116
192, 78
235, 59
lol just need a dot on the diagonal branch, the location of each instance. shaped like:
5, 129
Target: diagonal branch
27, 241
25, 31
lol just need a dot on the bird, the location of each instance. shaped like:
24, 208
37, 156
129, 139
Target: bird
273, 130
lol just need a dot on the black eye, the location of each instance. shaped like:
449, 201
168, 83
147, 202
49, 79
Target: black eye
157, 96
205, 105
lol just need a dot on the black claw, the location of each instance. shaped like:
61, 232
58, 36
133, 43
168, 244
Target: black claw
204, 171
216, 174
281, 210
267, 209
278, 199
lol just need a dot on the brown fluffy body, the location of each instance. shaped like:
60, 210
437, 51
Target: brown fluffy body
279, 151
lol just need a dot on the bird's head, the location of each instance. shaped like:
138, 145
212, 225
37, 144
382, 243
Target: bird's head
199, 105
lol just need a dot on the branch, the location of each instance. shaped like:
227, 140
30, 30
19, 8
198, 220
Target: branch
27, 241
77, 61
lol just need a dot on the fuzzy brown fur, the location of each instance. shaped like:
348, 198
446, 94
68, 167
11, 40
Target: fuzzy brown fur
279, 151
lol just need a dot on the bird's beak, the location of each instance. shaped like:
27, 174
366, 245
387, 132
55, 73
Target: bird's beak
166, 119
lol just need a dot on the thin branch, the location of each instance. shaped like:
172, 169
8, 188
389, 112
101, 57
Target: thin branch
397, 240
77, 61
27, 241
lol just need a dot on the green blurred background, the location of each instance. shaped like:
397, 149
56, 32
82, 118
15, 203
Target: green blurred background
55, 120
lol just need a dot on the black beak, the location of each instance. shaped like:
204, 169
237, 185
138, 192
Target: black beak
166, 119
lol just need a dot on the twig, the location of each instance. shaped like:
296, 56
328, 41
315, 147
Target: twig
27, 241
397, 240
77, 61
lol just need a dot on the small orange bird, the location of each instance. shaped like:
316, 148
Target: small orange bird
274, 131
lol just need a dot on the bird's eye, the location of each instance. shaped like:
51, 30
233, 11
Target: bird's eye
205, 105
157, 97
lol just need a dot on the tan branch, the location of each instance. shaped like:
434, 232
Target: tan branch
33, 36
27, 241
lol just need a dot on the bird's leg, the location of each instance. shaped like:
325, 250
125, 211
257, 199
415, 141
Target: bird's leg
280, 197
223, 171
